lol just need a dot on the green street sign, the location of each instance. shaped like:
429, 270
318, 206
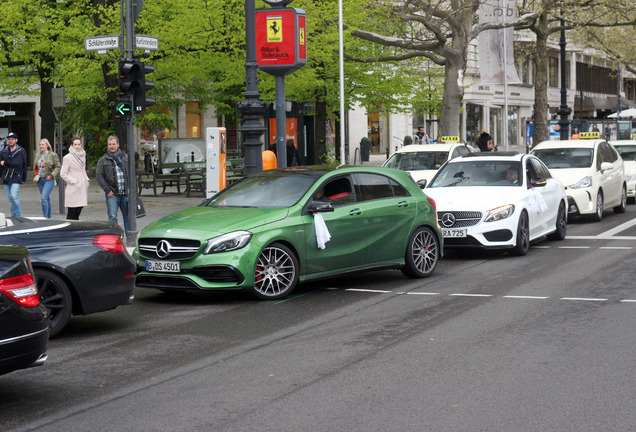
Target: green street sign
122, 109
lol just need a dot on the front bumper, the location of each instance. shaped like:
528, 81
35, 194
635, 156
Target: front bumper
581, 201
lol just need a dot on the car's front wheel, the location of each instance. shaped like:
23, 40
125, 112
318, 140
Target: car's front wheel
56, 297
422, 253
596, 217
561, 224
276, 273
623, 205
523, 235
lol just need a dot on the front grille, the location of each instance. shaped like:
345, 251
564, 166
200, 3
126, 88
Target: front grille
165, 282
218, 274
498, 235
178, 249
463, 219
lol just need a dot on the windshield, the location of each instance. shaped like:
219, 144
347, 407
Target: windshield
627, 152
271, 190
417, 161
566, 157
469, 172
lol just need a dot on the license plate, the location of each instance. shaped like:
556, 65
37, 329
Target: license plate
454, 232
163, 266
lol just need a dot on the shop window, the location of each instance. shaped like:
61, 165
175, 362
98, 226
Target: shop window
193, 120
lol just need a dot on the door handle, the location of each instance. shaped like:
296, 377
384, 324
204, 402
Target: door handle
403, 204
355, 212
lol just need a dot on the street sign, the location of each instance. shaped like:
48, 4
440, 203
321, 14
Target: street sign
4, 113
101, 43
147, 43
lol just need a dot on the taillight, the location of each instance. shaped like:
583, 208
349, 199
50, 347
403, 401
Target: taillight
109, 242
21, 289
432, 201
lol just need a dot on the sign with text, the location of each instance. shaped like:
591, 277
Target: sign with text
101, 43
280, 40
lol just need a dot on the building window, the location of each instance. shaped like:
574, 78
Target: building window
553, 72
193, 120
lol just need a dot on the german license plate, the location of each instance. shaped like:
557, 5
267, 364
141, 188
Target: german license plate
454, 232
163, 266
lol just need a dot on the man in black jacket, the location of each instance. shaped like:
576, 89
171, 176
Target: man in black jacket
112, 176
13, 163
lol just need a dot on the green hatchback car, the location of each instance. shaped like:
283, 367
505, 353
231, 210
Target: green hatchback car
277, 228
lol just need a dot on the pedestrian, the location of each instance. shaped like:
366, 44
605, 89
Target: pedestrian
112, 176
485, 143
46, 167
420, 136
408, 140
608, 132
13, 162
293, 158
595, 128
74, 174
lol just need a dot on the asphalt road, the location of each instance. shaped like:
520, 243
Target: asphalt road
489, 343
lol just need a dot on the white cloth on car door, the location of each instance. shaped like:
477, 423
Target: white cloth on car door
541, 204
322, 233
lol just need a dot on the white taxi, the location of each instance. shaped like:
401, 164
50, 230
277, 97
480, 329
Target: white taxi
498, 200
591, 170
627, 150
423, 160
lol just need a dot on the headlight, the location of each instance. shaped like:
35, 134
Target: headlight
583, 183
228, 242
500, 213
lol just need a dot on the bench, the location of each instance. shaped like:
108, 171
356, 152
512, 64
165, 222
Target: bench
195, 181
234, 170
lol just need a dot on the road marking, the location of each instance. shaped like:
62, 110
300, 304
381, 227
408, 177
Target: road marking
628, 301
470, 295
369, 290
601, 237
526, 297
622, 227
540, 247
617, 247
574, 247
422, 293
583, 299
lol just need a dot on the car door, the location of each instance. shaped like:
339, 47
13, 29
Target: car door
613, 178
346, 224
551, 194
390, 212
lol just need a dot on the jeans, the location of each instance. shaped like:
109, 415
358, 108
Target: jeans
14, 199
112, 204
46, 186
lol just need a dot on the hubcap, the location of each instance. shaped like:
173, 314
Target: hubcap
424, 251
275, 272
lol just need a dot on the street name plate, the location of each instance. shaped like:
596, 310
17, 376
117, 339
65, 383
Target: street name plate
146, 42
101, 43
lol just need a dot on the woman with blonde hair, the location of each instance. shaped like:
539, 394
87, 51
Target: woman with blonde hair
46, 166
74, 174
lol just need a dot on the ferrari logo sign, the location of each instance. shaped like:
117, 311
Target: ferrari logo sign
274, 29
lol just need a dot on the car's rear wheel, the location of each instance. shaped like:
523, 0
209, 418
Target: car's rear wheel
422, 253
523, 235
276, 273
56, 297
561, 224
599, 207
623, 205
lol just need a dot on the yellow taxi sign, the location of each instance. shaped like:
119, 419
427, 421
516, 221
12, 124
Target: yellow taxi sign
633, 136
449, 139
590, 135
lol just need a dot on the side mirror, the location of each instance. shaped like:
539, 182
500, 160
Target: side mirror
537, 182
422, 183
320, 206
606, 166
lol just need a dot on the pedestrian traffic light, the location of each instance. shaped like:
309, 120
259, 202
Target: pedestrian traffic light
141, 86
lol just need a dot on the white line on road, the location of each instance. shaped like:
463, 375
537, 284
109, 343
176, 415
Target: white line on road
526, 297
628, 301
574, 247
583, 299
369, 290
422, 293
622, 227
470, 295
617, 247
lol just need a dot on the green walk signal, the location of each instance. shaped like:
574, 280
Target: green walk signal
123, 108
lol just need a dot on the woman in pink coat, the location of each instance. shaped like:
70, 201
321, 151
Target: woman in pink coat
74, 174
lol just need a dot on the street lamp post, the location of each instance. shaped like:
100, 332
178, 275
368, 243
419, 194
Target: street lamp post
252, 109
564, 110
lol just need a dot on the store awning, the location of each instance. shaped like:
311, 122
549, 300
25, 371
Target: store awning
596, 103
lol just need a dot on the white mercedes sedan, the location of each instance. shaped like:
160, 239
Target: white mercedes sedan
498, 200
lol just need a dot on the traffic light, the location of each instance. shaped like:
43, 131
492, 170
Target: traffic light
128, 70
123, 107
141, 86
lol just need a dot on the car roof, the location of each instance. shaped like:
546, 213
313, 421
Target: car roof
622, 142
591, 143
412, 148
504, 155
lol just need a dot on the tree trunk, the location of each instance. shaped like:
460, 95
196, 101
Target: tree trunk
540, 108
453, 96
320, 134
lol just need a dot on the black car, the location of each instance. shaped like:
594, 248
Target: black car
24, 329
81, 267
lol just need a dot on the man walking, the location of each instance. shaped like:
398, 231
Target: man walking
112, 177
420, 136
13, 163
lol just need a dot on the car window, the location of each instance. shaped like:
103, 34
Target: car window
540, 169
339, 191
417, 161
374, 186
627, 152
469, 172
398, 189
608, 154
558, 158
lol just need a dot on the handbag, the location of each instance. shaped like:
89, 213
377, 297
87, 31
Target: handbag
140, 211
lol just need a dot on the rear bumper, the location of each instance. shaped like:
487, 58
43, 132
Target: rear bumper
24, 351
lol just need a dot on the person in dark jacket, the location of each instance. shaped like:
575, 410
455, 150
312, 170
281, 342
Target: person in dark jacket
112, 176
485, 143
13, 162
293, 158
